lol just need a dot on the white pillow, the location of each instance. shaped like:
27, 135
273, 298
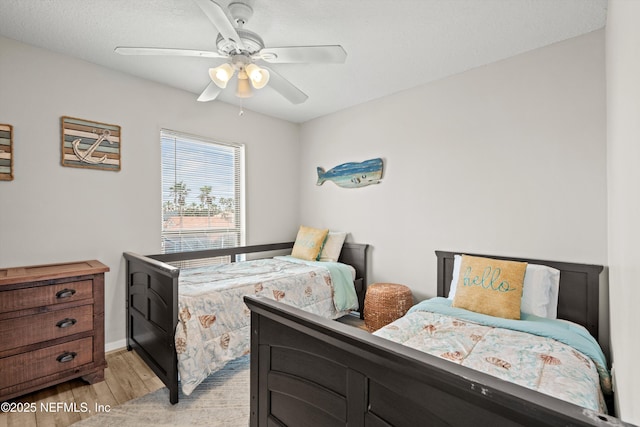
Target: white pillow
457, 260
332, 246
539, 293
553, 276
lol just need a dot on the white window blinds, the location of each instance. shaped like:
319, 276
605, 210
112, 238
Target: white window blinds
202, 200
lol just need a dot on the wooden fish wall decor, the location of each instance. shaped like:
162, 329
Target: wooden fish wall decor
352, 175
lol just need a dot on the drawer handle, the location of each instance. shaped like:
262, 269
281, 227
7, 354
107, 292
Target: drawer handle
65, 293
65, 323
66, 357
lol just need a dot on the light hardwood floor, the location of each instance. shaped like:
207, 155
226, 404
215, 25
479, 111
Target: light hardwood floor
126, 377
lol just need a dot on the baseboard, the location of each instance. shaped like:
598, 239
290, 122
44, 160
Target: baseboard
116, 345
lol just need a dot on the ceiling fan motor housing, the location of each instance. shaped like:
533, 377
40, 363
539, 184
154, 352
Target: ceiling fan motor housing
252, 42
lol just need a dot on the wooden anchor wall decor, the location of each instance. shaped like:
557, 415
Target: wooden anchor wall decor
88, 144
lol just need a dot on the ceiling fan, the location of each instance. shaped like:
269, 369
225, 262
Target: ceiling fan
241, 49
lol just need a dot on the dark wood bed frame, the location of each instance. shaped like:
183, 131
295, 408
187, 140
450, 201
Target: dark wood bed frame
308, 371
152, 299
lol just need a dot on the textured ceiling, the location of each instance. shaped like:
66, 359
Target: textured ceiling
392, 45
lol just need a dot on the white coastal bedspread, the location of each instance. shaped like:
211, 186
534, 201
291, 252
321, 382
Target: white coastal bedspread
213, 321
539, 362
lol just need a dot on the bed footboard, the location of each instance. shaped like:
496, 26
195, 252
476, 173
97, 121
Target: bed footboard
152, 315
152, 305
152, 300
306, 370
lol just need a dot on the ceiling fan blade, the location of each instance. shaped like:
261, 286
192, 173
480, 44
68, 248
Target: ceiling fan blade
209, 93
216, 15
333, 54
160, 51
286, 88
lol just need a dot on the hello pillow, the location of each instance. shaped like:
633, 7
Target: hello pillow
539, 292
490, 286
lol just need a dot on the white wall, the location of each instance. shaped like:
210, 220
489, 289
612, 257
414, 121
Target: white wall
50, 213
508, 159
623, 152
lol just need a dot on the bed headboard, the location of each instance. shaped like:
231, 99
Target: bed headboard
578, 298
355, 254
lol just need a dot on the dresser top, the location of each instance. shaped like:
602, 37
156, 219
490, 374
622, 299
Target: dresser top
33, 273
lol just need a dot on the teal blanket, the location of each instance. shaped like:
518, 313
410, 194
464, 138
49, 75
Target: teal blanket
344, 293
564, 332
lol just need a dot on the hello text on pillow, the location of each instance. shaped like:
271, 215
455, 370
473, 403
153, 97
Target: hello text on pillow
490, 286
540, 289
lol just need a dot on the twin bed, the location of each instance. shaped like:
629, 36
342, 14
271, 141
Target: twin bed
186, 323
309, 371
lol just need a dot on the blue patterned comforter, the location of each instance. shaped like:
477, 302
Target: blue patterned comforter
213, 321
551, 356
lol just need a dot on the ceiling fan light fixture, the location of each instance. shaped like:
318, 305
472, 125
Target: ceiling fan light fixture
244, 88
221, 75
239, 48
259, 76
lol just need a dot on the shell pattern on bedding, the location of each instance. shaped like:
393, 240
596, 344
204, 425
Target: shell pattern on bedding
535, 362
213, 322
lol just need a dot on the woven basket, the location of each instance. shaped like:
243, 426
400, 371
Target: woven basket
384, 303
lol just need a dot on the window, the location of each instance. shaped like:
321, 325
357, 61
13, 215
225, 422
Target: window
202, 193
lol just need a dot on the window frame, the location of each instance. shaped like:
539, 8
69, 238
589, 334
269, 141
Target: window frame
237, 151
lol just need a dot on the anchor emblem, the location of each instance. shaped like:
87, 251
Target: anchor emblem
86, 156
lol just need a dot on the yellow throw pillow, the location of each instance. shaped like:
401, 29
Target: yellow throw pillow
309, 243
490, 286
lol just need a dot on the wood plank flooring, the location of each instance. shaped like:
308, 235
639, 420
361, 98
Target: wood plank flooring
127, 377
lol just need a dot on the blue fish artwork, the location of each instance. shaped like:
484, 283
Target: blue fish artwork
352, 175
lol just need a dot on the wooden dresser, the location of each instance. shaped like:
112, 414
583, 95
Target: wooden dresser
51, 325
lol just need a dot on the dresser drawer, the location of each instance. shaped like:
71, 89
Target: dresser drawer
59, 293
51, 325
46, 361
26, 330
